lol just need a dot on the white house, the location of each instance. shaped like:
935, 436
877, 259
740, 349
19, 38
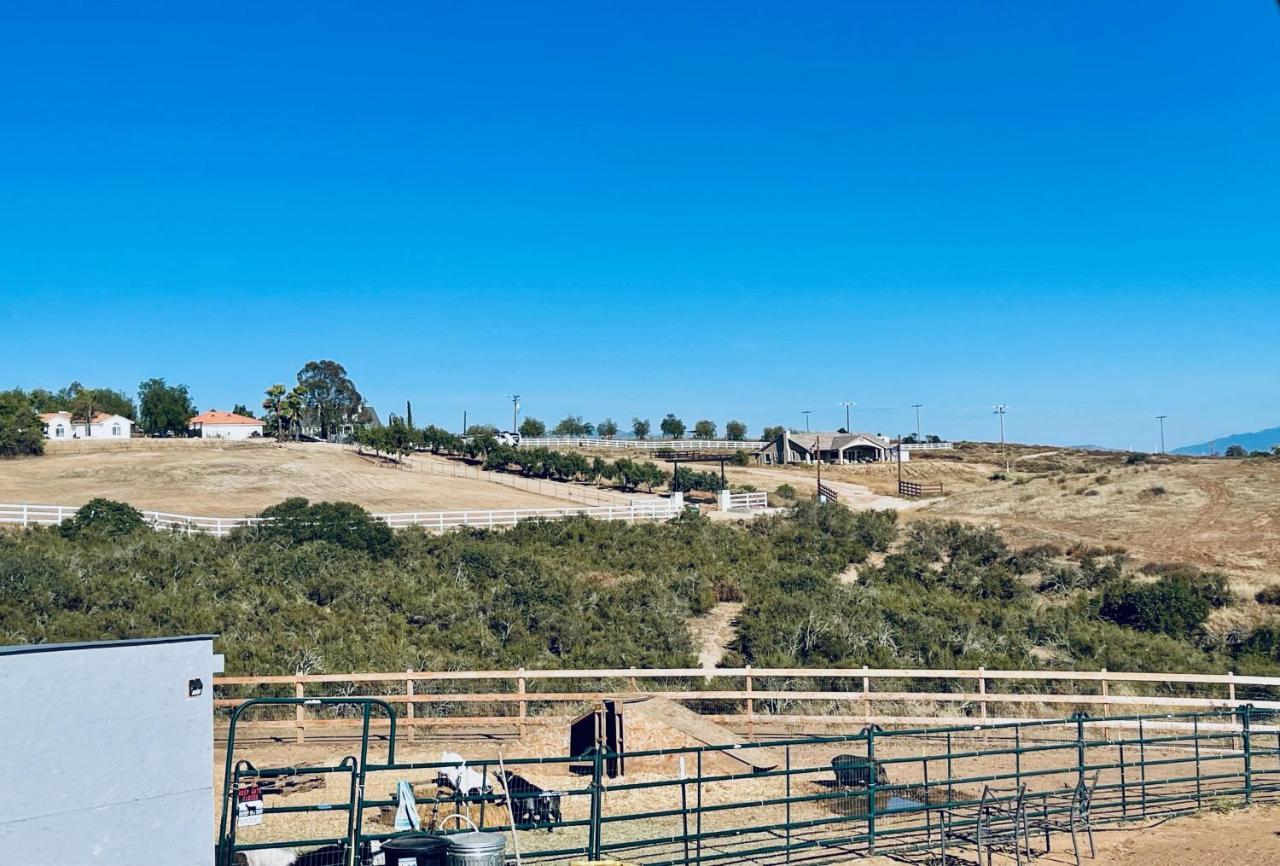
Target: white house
829, 448
58, 425
224, 425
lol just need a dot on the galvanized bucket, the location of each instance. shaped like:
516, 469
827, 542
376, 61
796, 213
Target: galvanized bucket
477, 849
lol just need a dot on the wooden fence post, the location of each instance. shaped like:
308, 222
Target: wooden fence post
410, 712
866, 693
300, 713
751, 708
1231, 685
524, 704
982, 690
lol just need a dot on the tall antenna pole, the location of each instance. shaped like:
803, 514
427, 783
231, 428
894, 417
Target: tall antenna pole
806, 413
848, 428
515, 410
1000, 410
817, 452
1161, 419
899, 464
917, 407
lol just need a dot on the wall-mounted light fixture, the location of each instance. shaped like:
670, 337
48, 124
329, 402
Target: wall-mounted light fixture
195, 688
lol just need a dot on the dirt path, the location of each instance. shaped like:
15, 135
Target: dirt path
855, 496
714, 631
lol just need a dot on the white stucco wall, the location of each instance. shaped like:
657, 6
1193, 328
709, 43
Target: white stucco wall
108, 761
229, 431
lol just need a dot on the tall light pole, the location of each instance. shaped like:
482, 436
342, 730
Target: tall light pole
1000, 410
1161, 418
515, 410
805, 413
847, 404
917, 407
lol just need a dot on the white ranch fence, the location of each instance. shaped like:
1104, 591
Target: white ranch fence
586, 494
642, 444
752, 501
927, 446
639, 510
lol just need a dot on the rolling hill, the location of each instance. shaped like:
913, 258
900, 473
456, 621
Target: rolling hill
1261, 440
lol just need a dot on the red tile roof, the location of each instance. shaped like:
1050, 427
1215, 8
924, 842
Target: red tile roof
98, 417
213, 416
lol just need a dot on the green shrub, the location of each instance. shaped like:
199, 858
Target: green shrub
344, 524
1268, 595
1171, 605
786, 491
104, 518
1136, 458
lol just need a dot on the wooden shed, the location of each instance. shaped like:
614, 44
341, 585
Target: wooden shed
628, 725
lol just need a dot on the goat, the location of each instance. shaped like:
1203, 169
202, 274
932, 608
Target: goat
460, 778
531, 804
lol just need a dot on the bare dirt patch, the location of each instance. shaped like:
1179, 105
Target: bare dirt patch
229, 479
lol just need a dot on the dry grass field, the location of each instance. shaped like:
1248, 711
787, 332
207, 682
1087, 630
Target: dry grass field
231, 479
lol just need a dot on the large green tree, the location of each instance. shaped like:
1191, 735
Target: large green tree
704, 429
573, 425
608, 428
329, 397
672, 427
640, 428
735, 431
532, 427
21, 432
163, 409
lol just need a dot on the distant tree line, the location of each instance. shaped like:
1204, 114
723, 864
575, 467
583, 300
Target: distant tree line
670, 426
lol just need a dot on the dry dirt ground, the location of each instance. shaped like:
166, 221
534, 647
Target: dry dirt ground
1215, 513
1211, 838
231, 479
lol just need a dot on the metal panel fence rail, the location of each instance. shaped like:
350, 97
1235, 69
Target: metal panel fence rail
439, 521
642, 444
935, 791
751, 699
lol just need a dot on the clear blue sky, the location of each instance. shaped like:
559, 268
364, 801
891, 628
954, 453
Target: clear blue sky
718, 209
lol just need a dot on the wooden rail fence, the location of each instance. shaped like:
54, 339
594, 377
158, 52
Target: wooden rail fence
979, 692
917, 489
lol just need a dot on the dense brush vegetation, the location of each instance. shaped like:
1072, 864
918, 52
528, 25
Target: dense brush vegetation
326, 588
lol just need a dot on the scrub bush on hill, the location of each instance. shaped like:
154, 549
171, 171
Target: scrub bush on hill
326, 588
103, 518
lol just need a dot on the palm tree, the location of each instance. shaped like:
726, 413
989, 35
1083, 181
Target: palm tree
274, 404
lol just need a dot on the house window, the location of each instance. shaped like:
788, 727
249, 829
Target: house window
115, 429
59, 431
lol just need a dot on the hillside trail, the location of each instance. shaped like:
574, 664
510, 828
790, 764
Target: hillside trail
714, 631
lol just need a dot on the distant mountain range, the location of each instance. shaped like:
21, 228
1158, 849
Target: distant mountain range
1262, 440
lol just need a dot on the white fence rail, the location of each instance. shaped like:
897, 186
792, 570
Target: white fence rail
555, 489
642, 444
927, 446
438, 521
753, 501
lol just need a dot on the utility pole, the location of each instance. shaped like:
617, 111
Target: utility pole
847, 404
899, 464
1000, 410
464, 422
818, 455
515, 410
805, 413
917, 407
1161, 419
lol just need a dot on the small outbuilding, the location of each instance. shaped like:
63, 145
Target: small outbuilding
108, 749
224, 425
646, 724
